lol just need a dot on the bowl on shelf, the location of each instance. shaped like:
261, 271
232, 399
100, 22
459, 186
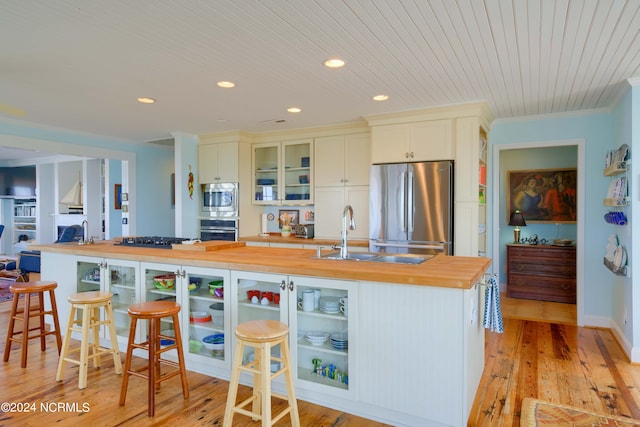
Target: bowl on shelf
199, 317
316, 338
195, 346
214, 343
165, 281
217, 311
216, 288
193, 288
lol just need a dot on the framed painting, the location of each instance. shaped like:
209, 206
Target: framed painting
543, 195
117, 196
288, 217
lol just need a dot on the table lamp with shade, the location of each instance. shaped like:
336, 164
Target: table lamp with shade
517, 220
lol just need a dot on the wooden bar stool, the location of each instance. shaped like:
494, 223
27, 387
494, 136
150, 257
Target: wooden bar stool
89, 326
262, 335
27, 311
153, 311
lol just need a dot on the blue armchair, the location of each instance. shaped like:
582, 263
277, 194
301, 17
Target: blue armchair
72, 233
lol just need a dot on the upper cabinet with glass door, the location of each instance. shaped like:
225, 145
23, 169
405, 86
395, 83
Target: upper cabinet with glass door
283, 173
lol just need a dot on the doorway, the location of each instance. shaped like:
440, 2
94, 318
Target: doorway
499, 209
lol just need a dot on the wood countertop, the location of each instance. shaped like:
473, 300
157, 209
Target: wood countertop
442, 271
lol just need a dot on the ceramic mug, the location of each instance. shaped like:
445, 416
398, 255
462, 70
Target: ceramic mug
308, 301
316, 298
344, 305
344, 310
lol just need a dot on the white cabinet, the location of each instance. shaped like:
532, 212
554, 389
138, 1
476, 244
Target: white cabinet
218, 162
413, 142
203, 314
342, 160
342, 178
329, 206
323, 368
283, 173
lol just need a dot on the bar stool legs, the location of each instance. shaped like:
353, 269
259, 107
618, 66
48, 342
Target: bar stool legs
262, 335
153, 311
89, 326
27, 312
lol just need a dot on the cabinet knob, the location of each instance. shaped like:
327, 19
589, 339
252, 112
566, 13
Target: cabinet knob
291, 285
181, 273
283, 285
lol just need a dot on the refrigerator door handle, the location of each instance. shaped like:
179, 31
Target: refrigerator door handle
410, 212
403, 201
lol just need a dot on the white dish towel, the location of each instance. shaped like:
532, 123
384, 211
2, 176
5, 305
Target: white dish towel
492, 314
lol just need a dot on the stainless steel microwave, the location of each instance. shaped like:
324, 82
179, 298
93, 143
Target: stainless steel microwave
220, 199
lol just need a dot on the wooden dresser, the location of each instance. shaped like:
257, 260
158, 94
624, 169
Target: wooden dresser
542, 272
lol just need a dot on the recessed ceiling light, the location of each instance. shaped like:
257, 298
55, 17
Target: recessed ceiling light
380, 97
334, 63
146, 100
226, 84
294, 110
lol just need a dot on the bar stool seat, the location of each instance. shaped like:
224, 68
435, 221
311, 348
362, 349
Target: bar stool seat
154, 311
27, 312
89, 327
262, 336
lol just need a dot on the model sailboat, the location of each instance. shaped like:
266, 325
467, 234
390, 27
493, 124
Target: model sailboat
73, 198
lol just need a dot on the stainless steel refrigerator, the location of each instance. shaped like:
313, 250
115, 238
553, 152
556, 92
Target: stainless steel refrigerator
411, 208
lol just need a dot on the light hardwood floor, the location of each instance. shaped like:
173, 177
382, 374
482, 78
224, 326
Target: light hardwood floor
36, 385
543, 354
544, 311
559, 362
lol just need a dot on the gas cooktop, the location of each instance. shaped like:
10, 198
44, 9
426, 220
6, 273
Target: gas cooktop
151, 241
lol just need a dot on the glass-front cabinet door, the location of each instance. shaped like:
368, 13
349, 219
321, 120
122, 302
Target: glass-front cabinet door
89, 274
204, 316
322, 317
206, 313
258, 296
297, 171
159, 283
266, 167
319, 317
120, 278
111, 275
283, 172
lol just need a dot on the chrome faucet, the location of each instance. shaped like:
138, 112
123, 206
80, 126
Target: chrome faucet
348, 212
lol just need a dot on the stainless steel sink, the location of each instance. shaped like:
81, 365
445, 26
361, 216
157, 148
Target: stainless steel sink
377, 257
359, 256
403, 259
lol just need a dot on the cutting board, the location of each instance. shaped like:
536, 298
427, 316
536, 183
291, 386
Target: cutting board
212, 245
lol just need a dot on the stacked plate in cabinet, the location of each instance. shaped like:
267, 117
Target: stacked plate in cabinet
339, 341
330, 305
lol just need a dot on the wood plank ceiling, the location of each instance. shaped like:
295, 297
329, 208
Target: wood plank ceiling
81, 65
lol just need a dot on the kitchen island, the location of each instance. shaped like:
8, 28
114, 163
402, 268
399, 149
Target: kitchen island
415, 339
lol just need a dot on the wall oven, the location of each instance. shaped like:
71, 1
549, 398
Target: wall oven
219, 229
220, 199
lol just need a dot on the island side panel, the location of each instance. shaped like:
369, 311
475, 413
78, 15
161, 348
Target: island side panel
416, 345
